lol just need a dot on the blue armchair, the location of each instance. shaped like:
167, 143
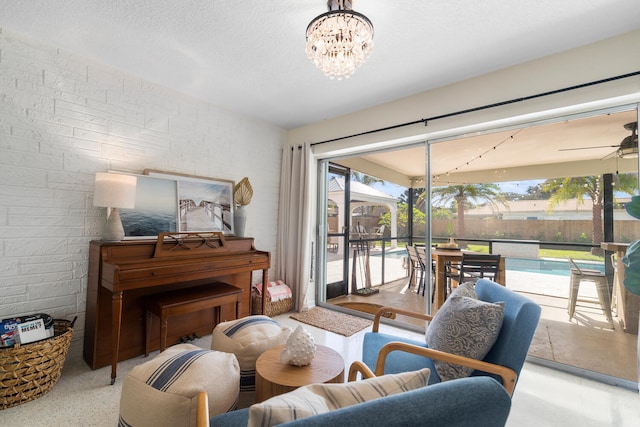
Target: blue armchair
477, 402
384, 353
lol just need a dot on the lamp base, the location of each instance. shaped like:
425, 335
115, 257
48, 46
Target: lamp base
113, 230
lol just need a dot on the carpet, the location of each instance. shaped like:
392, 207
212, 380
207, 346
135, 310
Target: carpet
366, 307
332, 321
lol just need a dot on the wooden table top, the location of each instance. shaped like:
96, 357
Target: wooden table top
325, 366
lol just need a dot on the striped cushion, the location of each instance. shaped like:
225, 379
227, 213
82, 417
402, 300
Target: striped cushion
163, 391
319, 398
248, 338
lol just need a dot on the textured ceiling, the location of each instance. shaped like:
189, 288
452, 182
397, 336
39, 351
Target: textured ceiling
248, 55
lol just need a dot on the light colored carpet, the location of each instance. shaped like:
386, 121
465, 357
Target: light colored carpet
366, 307
332, 321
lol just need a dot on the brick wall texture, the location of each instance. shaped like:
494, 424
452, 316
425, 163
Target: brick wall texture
62, 119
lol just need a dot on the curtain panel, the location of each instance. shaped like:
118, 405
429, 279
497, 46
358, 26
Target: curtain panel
295, 239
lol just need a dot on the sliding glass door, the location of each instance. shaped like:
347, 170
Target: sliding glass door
538, 195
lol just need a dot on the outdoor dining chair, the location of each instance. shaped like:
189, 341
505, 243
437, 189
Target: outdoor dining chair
472, 266
416, 266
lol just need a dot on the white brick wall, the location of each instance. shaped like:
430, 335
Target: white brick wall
62, 119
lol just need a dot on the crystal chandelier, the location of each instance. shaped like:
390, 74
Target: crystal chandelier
340, 40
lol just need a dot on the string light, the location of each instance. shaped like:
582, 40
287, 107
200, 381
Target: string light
468, 163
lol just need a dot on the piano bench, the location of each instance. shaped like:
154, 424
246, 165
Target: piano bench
183, 301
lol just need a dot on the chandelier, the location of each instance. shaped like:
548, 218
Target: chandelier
340, 40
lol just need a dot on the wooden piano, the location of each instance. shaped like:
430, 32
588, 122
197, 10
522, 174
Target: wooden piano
122, 274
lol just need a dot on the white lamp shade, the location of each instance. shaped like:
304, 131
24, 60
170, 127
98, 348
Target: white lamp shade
115, 190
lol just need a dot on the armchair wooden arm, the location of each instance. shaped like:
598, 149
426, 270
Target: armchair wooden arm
358, 367
202, 414
507, 375
383, 310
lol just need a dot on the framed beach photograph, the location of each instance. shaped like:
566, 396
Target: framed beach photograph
204, 204
156, 209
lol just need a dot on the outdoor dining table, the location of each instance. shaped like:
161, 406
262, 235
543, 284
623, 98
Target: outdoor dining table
442, 256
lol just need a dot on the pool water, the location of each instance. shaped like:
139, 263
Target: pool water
549, 266
391, 254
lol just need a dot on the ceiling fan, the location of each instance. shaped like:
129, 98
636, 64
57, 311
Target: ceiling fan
628, 148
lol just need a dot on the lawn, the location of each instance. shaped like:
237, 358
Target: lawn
549, 253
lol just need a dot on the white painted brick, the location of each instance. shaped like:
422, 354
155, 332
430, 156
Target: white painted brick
8, 267
82, 115
120, 128
48, 290
19, 176
71, 66
108, 109
27, 280
75, 162
13, 143
58, 145
156, 121
12, 197
30, 100
31, 160
33, 246
62, 119
54, 125
45, 267
59, 82
102, 76
134, 117
59, 233
91, 92
53, 93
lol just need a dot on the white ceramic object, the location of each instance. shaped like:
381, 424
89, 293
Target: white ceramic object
300, 348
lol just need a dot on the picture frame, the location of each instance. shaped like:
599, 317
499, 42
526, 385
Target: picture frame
203, 203
156, 208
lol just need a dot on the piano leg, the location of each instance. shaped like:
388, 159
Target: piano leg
116, 318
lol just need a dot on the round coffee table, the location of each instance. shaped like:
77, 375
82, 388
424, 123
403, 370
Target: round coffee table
274, 378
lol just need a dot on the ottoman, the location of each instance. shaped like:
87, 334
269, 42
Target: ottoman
164, 390
247, 339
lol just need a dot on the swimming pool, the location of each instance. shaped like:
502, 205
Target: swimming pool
549, 266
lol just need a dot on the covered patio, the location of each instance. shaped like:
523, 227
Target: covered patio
583, 345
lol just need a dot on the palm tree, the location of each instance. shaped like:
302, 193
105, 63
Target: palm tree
461, 195
563, 189
364, 178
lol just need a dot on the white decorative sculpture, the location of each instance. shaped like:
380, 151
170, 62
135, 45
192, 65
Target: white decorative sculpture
300, 348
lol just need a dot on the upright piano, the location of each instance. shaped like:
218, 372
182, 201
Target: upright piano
122, 274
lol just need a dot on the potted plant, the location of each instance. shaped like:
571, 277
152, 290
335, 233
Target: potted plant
242, 194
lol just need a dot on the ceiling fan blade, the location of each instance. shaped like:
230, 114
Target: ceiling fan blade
588, 148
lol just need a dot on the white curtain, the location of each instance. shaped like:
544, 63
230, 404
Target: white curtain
295, 238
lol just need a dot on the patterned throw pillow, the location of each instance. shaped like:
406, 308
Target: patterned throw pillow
466, 289
464, 326
319, 398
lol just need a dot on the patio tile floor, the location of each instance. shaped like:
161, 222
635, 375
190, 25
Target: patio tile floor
588, 341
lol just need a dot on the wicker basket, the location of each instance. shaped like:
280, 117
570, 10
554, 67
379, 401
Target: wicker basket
28, 371
272, 308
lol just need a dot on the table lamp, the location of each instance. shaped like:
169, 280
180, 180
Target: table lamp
114, 191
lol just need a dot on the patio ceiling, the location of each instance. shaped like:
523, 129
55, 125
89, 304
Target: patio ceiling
545, 151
